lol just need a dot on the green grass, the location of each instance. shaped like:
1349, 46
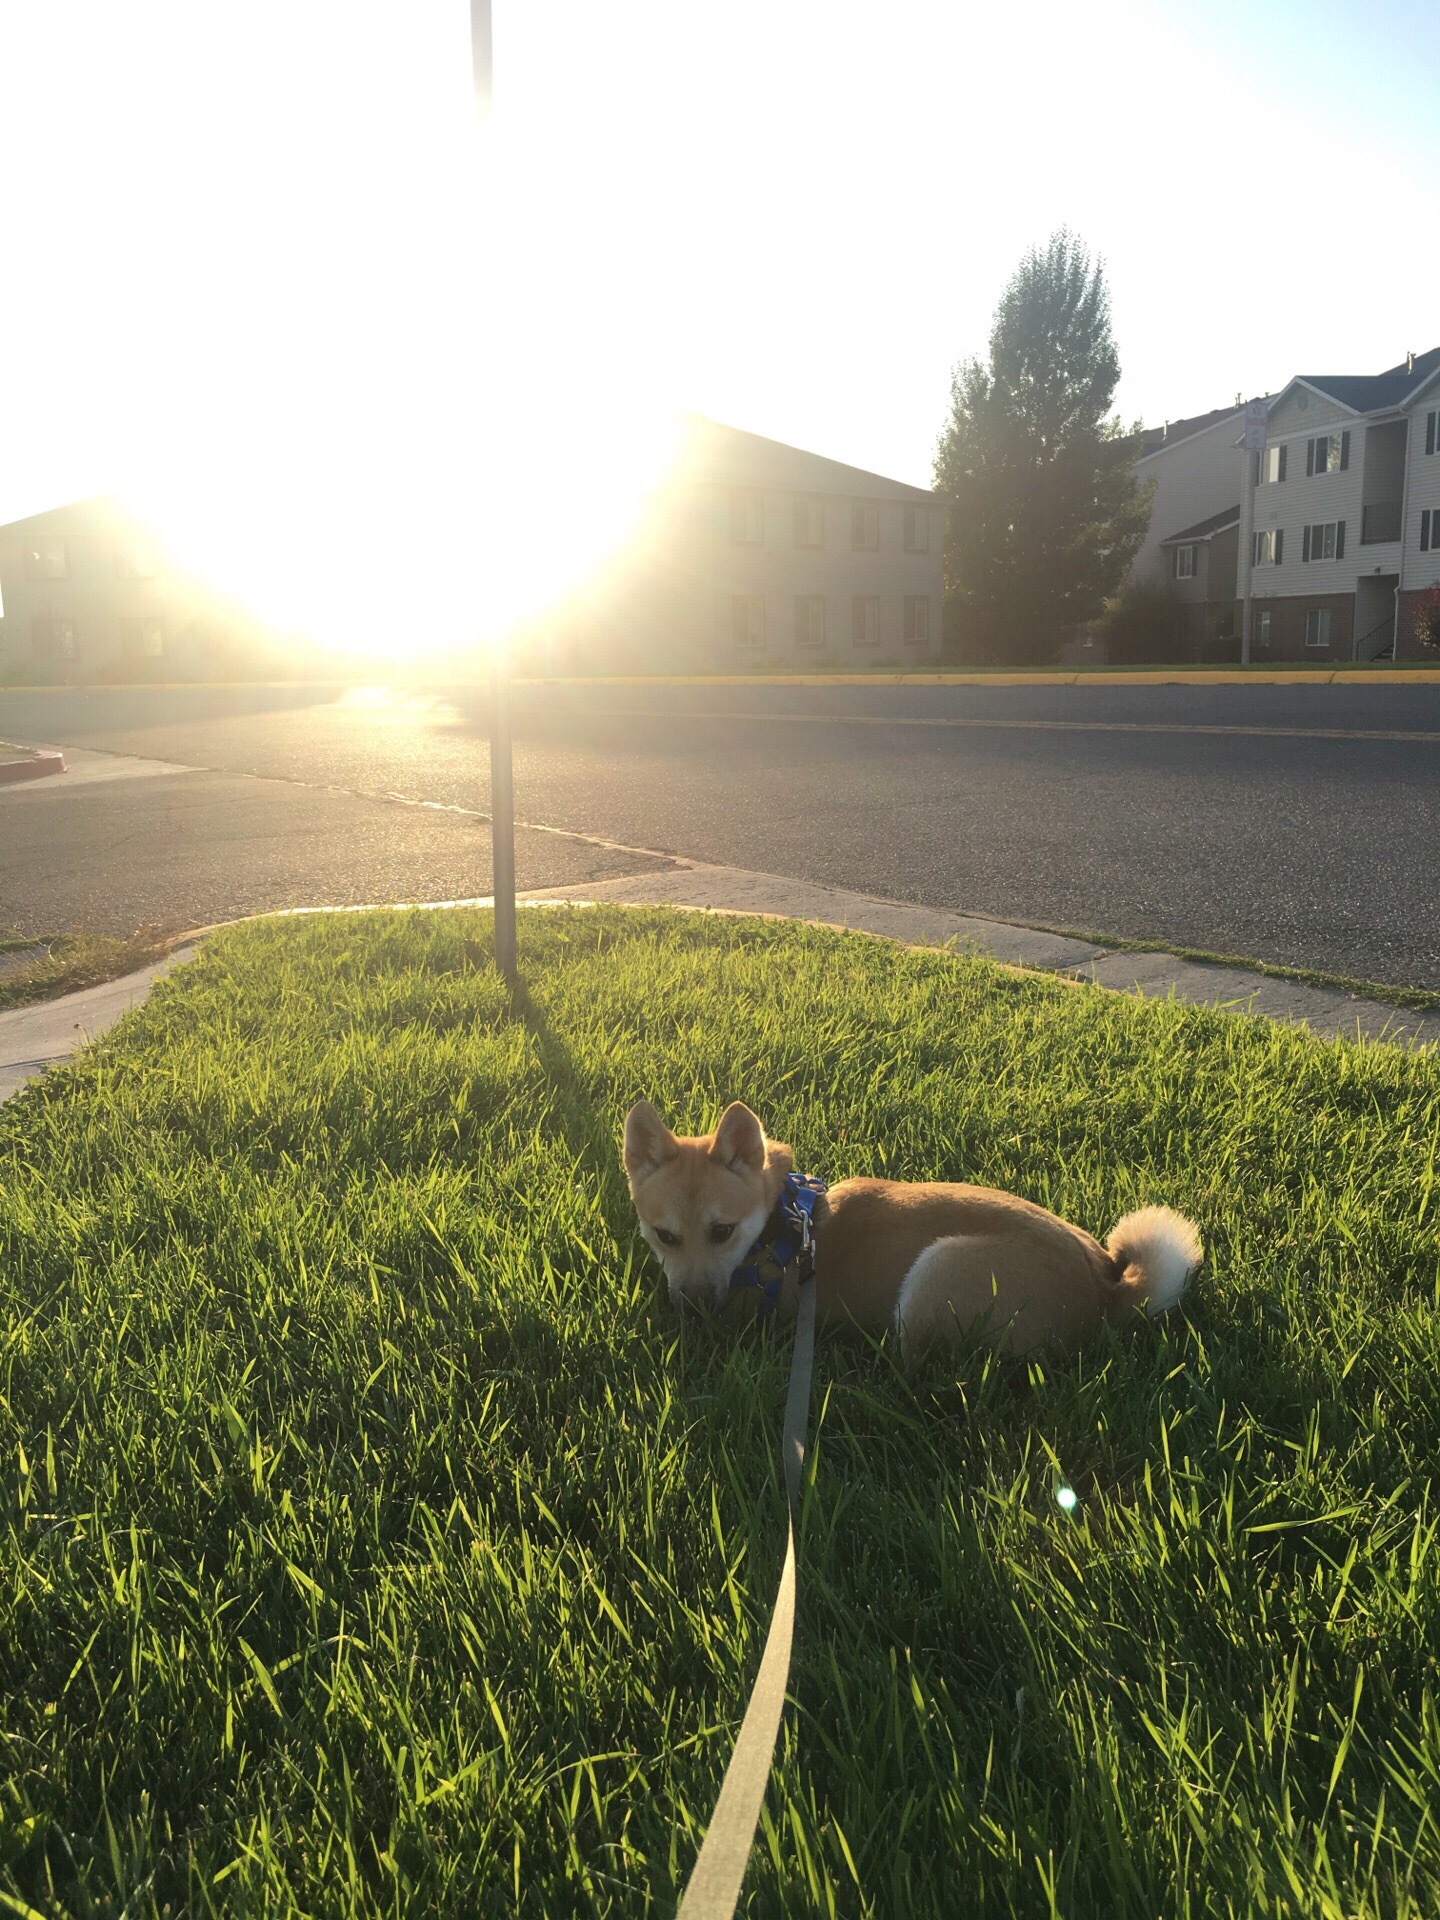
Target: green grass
68, 961
378, 1544
1418, 999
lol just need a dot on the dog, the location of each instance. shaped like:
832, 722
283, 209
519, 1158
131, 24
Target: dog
932, 1260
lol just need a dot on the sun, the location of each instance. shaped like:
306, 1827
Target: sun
413, 462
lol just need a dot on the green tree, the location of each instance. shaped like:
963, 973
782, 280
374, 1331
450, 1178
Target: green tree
1046, 512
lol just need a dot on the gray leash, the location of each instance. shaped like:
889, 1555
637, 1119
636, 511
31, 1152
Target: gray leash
714, 1886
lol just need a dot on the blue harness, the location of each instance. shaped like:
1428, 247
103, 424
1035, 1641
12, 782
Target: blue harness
786, 1236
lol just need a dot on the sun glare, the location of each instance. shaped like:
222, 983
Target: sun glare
408, 458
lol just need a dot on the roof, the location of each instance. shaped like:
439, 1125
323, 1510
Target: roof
1202, 529
85, 503
1374, 392
1156, 439
733, 455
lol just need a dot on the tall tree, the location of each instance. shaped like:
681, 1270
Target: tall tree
1046, 511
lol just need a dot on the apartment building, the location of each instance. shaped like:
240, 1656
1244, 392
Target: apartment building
89, 593
1195, 470
1193, 467
1342, 534
756, 553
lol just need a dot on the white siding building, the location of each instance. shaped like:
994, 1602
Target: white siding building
1196, 469
1341, 535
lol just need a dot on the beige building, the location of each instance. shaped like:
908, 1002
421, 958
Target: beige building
87, 593
754, 553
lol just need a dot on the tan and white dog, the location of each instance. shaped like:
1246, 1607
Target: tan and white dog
930, 1259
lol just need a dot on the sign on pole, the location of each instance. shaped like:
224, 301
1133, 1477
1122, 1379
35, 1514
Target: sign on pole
1255, 417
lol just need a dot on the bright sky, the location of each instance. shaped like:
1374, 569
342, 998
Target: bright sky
257, 269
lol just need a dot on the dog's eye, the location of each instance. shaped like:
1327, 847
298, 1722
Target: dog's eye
666, 1238
720, 1233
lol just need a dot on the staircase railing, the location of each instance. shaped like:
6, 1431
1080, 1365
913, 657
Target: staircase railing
1384, 635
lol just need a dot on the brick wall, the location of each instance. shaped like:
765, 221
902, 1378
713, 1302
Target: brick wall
1287, 627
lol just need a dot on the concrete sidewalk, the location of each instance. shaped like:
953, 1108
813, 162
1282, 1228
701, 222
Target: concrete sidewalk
37, 1037
1329, 1012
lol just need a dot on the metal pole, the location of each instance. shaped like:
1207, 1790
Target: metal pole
1247, 558
502, 784
502, 817
1247, 535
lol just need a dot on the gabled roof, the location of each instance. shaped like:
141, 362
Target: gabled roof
83, 503
1202, 529
1157, 439
733, 455
1369, 392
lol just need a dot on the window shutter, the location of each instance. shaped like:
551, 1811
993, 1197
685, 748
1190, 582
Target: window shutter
1255, 460
1430, 432
1305, 546
1340, 534
1309, 457
1281, 474
1345, 450
1279, 546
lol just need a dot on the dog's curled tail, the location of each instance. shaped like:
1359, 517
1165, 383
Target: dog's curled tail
1156, 1250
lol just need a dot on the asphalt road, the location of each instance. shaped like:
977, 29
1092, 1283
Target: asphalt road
1256, 821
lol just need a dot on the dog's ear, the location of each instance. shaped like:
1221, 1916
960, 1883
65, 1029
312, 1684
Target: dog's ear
649, 1143
739, 1140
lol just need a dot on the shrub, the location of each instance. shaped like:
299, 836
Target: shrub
1425, 617
1142, 624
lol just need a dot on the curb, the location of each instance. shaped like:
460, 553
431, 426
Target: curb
44, 1033
1407, 676
38, 1036
38, 767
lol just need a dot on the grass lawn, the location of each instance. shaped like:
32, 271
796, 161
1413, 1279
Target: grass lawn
378, 1544
39, 969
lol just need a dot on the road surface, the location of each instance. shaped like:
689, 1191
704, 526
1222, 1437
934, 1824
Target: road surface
1297, 825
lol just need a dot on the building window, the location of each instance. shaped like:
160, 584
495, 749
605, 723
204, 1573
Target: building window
135, 559
1269, 546
917, 620
46, 560
917, 529
1184, 563
865, 620
809, 520
1328, 453
1429, 524
1432, 432
147, 638
747, 517
1325, 541
54, 639
865, 525
1317, 627
809, 619
747, 621
1272, 465
1262, 628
